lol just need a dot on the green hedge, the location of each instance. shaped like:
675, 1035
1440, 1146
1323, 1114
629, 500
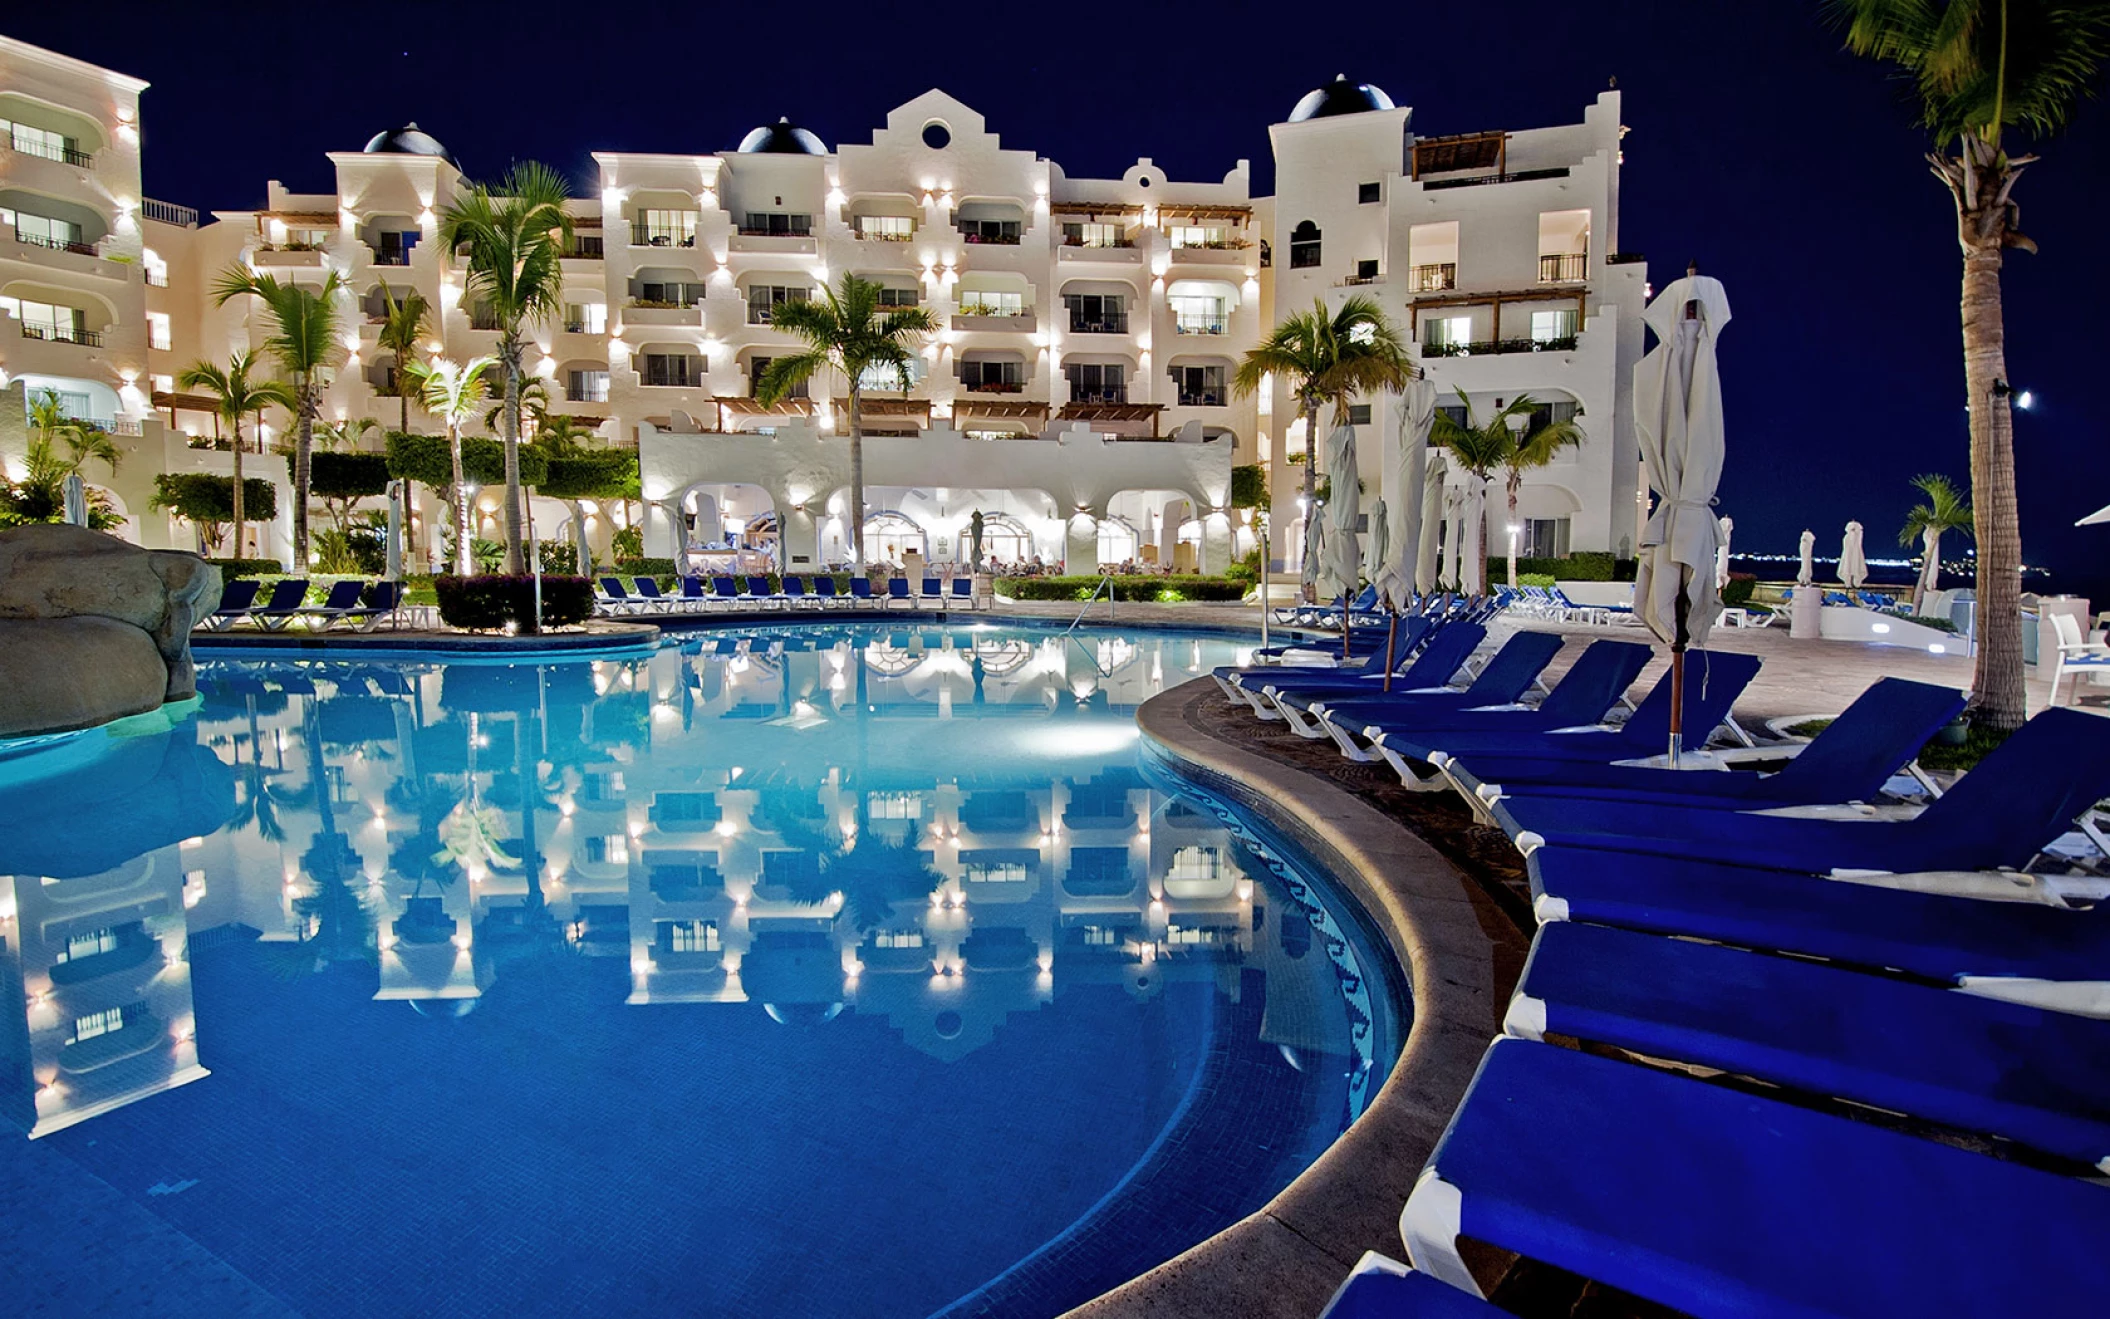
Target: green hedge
604, 475
344, 475
1581, 566
481, 604
647, 567
426, 460
1143, 586
1249, 486
233, 568
204, 497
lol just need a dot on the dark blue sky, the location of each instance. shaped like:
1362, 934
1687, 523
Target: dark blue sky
1788, 169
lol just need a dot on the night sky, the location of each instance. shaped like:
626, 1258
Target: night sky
1788, 169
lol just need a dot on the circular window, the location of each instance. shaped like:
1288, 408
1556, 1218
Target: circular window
1143, 182
936, 135
949, 1025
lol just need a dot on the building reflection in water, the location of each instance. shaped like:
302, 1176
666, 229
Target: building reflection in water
942, 828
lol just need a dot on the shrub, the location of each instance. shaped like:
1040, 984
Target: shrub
1545, 579
426, 460
610, 474
1737, 593
1249, 486
1247, 569
233, 568
1141, 587
344, 475
650, 568
482, 604
558, 557
628, 543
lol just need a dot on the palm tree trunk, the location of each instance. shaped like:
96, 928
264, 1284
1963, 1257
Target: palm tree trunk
303, 449
857, 478
238, 488
516, 557
461, 502
403, 399
1980, 182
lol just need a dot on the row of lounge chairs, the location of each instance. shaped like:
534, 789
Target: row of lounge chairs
1365, 611
358, 604
643, 595
1553, 603
1785, 1044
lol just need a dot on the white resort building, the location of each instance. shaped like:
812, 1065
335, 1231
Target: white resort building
1078, 395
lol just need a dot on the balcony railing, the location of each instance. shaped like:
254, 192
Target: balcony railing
1564, 269
1357, 281
1489, 347
997, 239
1438, 277
1099, 395
1077, 241
1103, 325
157, 277
393, 258
64, 155
56, 244
995, 386
1519, 176
646, 236
1201, 325
62, 334
1201, 398
169, 213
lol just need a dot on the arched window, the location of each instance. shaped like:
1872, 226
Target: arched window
1304, 246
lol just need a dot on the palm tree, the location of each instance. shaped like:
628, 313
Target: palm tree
846, 329
1981, 67
1529, 450
84, 443
563, 435
40, 496
304, 341
515, 233
1946, 509
1328, 357
236, 397
402, 332
534, 409
1480, 450
453, 393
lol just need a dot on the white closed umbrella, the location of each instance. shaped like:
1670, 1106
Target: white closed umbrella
1428, 554
1721, 556
1342, 565
1472, 570
1381, 541
1399, 563
1453, 533
394, 548
1807, 573
1314, 549
1678, 419
77, 500
1853, 567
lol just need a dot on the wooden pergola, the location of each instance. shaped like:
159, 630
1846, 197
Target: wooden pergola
1496, 300
1118, 412
1444, 155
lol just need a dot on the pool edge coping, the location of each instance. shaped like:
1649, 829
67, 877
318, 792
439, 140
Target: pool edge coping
1288, 1257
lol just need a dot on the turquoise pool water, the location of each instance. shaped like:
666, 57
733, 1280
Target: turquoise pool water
809, 970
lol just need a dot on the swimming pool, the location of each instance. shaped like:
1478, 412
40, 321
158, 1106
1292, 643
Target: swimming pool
808, 970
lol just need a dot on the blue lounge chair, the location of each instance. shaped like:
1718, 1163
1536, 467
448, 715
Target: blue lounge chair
1717, 1202
694, 595
1977, 1064
1849, 761
1501, 684
236, 599
2018, 800
1232, 678
340, 599
795, 591
933, 589
963, 592
725, 589
615, 598
283, 606
649, 596
860, 590
1432, 671
1381, 1288
383, 600
758, 592
897, 590
1713, 682
824, 590
1960, 941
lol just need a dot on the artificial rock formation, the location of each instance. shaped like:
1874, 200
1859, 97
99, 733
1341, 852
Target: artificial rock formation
93, 628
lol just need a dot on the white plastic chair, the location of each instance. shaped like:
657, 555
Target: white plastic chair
2077, 655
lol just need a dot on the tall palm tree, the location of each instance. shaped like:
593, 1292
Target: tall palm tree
1480, 450
235, 396
1981, 67
1529, 450
304, 340
453, 393
846, 329
402, 332
515, 231
1946, 510
1328, 357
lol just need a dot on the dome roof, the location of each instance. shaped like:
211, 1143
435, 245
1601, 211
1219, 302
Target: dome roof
409, 140
1340, 97
782, 138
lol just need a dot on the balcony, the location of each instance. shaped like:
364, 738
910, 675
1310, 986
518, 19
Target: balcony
185, 217
1520, 176
642, 235
62, 334
1123, 242
585, 247
1357, 281
299, 256
1572, 268
972, 318
1203, 398
995, 386
1228, 252
1100, 325
661, 311
1439, 277
56, 244
1491, 347
44, 151
393, 257
1190, 324
1099, 395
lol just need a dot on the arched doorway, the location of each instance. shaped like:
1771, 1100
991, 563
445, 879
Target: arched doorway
1118, 540
889, 536
1005, 540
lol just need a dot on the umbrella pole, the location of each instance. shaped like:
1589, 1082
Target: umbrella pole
1344, 625
1391, 645
1677, 683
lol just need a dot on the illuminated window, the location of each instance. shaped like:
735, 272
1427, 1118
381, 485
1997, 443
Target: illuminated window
1304, 246
665, 229
1100, 936
1553, 326
88, 945
886, 228
158, 330
691, 936
1191, 863
992, 302
107, 1021
995, 872
608, 849
897, 939
586, 318
895, 805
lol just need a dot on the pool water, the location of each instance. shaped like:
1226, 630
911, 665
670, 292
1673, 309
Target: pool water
815, 970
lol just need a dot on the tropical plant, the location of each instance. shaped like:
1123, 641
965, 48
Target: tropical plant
206, 501
402, 332
452, 393
236, 395
847, 330
1946, 509
1513, 451
1327, 357
534, 410
347, 434
1979, 68
562, 435
304, 341
40, 496
515, 233
85, 443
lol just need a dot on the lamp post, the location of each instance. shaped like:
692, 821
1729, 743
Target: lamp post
1518, 423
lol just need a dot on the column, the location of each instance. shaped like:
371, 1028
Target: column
1080, 548
1216, 552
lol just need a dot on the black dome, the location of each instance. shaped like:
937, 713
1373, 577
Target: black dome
1340, 97
409, 140
782, 138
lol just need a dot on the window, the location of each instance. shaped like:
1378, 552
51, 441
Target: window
1198, 235
776, 224
43, 142
51, 320
691, 936
1435, 277
994, 872
1554, 327
678, 370
1097, 313
1100, 936
587, 247
1542, 538
886, 228
1359, 414
1446, 331
897, 938
604, 786
1095, 382
158, 330
1191, 863
586, 386
992, 302
757, 367
896, 297
764, 299
586, 318
1201, 386
1304, 246
1366, 193
1366, 270
990, 231
894, 805
106, 1022
669, 293
608, 850
43, 231
306, 240
664, 229
994, 376
1192, 935
395, 246
1193, 314
163, 384
1094, 233
886, 378
88, 945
